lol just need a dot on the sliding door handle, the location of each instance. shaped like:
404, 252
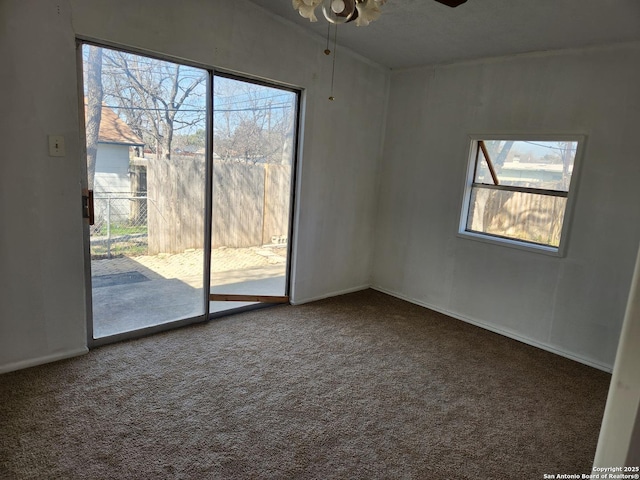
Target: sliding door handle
87, 205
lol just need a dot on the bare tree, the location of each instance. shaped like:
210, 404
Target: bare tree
252, 123
93, 83
567, 153
160, 99
156, 98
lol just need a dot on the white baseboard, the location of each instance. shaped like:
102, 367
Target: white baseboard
330, 294
498, 330
32, 362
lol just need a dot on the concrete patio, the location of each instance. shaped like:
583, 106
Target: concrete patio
130, 293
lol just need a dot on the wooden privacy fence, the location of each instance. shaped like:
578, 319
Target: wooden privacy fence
525, 216
250, 204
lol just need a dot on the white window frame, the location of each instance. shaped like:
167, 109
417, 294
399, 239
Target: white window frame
559, 251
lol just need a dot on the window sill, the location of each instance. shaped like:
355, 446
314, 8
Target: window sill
510, 243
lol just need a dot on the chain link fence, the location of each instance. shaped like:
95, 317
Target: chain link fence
120, 228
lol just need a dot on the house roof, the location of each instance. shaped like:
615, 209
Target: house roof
114, 130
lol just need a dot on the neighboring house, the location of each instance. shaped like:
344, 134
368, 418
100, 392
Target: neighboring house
115, 141
119, 174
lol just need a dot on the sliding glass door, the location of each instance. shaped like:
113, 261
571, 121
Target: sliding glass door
146, 123
254, 139
189, 190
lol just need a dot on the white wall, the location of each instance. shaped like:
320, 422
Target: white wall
112, 169
41, 272
42, 295
572, 305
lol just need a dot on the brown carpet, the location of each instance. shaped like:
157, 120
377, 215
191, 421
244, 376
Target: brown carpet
361, 386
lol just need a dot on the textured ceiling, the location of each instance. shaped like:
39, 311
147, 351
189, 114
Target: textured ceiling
422, 32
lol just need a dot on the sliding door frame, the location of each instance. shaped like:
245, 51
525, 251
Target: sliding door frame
208, 210
268, 300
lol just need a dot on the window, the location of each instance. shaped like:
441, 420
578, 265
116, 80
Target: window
519, 191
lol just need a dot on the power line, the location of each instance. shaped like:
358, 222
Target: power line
248, 98
545, 146
270, 107
278, 106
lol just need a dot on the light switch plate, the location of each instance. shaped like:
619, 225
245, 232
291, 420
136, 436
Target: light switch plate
56, 146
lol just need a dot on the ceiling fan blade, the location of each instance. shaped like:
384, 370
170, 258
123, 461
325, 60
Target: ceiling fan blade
451, 3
